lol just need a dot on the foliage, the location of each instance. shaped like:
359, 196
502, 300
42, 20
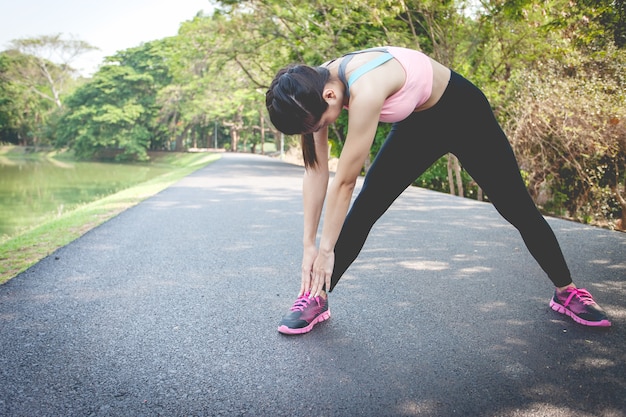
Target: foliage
574, 149
109, 112
538, 62
35, 75
23, 110
47, 61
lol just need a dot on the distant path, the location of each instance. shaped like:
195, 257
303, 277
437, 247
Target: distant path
171, 309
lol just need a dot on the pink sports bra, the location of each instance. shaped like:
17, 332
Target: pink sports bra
417, 87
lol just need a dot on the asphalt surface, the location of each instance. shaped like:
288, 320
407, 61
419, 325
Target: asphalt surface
171, 309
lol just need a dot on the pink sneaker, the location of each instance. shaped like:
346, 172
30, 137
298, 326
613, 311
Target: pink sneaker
304, 314
580, 306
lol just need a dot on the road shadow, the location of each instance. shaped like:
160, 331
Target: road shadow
171, 308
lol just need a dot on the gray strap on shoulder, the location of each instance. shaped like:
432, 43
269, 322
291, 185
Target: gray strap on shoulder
344, 63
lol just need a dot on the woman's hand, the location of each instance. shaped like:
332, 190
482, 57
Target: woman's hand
322, 272
308, 257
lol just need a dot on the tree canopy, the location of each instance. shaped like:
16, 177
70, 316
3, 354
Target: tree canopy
553, 71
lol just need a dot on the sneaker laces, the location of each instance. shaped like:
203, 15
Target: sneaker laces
301, 303
581, 294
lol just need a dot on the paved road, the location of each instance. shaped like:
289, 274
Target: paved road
171, 309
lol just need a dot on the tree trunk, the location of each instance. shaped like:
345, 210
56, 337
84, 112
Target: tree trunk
235, 128
179, 141
234, 138
459, 180
52, 84
450, 176
262, 132
454, 171
620, 224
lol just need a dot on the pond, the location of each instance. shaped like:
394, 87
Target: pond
32, 191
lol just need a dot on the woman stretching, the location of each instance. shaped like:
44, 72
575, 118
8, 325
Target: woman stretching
434, 111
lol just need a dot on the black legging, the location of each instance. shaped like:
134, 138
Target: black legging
461, 123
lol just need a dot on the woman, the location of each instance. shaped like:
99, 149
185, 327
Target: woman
434, 111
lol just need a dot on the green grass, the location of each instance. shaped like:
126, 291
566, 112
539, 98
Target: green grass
20, 252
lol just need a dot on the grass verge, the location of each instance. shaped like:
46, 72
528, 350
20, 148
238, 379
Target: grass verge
21, 252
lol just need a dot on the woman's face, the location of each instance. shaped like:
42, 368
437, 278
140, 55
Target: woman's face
333, 111
328, 117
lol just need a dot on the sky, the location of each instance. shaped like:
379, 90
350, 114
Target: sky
110, 25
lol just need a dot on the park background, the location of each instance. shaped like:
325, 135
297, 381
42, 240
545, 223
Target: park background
553, 71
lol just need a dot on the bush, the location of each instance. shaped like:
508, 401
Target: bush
568, 130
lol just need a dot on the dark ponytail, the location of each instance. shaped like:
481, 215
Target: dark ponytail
308, 150
295, 104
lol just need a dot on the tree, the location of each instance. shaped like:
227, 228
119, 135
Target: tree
573, 150
111, 112
564, 112
35, 74
223, 84
23, 114
211, 77
48, 61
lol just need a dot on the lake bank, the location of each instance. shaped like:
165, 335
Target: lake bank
33, 243
36, 186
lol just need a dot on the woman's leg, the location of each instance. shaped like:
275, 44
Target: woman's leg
463, 123
401, 159
488, 158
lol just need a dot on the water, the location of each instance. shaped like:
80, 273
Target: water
32, 191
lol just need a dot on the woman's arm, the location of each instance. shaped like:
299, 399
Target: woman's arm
362, 123
314, 186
